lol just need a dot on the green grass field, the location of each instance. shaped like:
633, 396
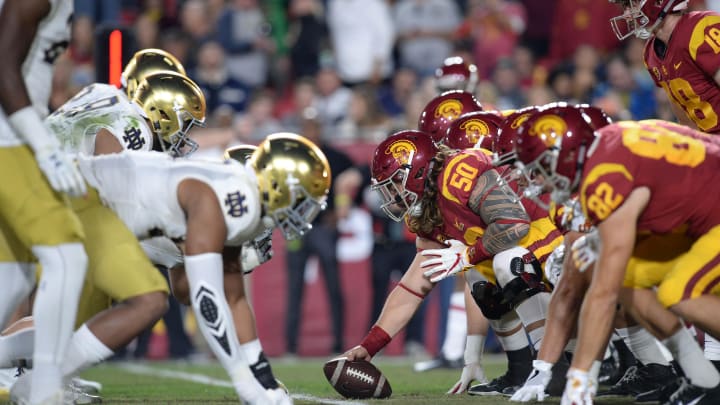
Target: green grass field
169, 383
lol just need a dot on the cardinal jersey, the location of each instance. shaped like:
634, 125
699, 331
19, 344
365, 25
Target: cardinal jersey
676, 163
457, 179
50, 41
141, 187
95, 107
687, 69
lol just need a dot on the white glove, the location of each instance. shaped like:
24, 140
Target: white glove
554, 264
59, 169
445, 262
256, 252
471, 372
534, 387
578, 389
61, 172
585, 250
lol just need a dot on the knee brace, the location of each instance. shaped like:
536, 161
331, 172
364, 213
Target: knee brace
519, 274
489, 298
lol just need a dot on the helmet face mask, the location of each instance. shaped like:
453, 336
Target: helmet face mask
642, 17
397, 200
296, 219
180, 144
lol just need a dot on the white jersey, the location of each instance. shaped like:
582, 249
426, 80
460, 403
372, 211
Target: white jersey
95, 107
141, 187
51, 40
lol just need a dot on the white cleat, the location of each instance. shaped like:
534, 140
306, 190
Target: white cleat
87, 386
279, 397
76, 395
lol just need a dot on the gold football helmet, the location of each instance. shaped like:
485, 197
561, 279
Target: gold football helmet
173, 104
294, 178
241, 153
146, 62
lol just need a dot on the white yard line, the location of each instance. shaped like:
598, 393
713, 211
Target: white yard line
205, 380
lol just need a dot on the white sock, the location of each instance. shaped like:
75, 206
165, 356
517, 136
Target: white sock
56, 303
508, 322
570, 346
215, 321
18, 281
642, 344
85, 350
456, 330
252, 350
687, 352
15, 346
532, 310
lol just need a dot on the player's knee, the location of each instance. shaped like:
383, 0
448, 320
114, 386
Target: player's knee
68, 259
151, 306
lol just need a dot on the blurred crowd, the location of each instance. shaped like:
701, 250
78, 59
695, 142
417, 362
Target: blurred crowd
363, 68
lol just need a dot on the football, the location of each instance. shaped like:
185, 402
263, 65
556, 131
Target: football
357, 379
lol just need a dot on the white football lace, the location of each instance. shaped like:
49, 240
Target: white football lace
360, 375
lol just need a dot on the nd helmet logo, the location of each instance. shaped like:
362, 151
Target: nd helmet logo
449, 109
549, 128
403, 151
474, 129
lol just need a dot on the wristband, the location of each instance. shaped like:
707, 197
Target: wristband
375, 340
29, 126
474, 345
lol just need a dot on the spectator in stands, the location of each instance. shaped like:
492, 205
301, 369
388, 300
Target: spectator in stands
393, 97
638, 99
219, 87
578, 22
195, 21
178, 43
147, 32
425, 31
258, 121
494, 26
507, 81
243, 31
537, 34
307, 37
320, 241
363, 36
100, 11
365, 121
303, 97
81, 48
333, 99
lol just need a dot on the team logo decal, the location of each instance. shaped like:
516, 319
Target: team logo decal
133, 139
519, 120
474, 129
449, 109
403, 151
549, 128
235, 203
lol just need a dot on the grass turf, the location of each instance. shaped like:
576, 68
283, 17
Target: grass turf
303, 377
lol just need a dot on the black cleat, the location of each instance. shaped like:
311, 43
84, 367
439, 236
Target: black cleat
502, 385
688, 394
263, 373
641, 379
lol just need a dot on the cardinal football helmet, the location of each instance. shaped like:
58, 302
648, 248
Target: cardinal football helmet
293, 176
473, 130
441, 111
173, 104
400, 166
146, 62
642, 17
456, 74
553, 143
503, 146
595, 115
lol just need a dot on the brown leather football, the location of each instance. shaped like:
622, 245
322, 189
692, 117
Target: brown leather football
356, 379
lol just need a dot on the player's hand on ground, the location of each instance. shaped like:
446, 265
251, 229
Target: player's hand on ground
357, 353
61, 172
471, 372
445, 262
534, 387
578, 389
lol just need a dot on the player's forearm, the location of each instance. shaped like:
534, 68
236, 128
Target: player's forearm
504, 234
596, 318
561, 318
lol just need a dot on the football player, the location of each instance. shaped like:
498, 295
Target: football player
463, 217
567, 296
456, 74
210, 206
34, 217
681, 54
615, 170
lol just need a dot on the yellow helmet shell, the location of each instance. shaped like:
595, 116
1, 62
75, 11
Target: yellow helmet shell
146, 62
